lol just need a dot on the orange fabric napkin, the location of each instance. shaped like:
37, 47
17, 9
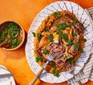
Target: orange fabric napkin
23, 12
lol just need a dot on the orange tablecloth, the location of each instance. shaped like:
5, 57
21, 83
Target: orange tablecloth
23, 12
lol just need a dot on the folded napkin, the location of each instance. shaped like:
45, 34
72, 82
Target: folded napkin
6, 80
91, 13
6, 83
87, 72
84, 74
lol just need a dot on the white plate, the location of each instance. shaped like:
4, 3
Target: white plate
7, 80
82, 17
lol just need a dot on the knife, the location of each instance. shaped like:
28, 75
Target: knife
6, 75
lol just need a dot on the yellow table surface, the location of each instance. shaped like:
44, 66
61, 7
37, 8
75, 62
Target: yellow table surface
23, 12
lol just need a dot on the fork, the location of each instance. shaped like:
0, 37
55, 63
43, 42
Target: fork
50, 58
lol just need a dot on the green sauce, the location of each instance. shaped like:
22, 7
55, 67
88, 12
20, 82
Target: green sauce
10, 30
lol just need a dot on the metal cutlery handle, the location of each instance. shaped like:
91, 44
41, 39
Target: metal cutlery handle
36, 77
50, 58
38, 74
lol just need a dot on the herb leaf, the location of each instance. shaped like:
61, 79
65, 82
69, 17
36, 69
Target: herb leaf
55, 73
34, 34
3, 35
61, 26
50, 37
57, 14
64, 36
72, 23
39, 36
13, 29
74, 33
84, 40
81, 49
15, 42
39, 58
69, 42
45, 51
76, 46
71, 60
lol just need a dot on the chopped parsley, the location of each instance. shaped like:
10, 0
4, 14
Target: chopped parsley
4, 34
69, 42
11, 30
74, 33
56, 14
55, 73
72, 23
45, 51
50, 37
81, 49
76, 46
13, 25
84, 40
39, 36
64, 36
34, 34
57, 32
39, 58
61, 26
15, 42
71, 60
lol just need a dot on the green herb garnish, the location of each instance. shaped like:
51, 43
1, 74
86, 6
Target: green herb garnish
45, 51
39, 58
61, 26
4, 34
64, 36
13, 29
76, 46
72, 23
15, 42
71, 60
39, 36
13, 25
57, 32
34, 34
81, 49
56, 14
74, 33
50, 37
55, 73
69, 42
84, 40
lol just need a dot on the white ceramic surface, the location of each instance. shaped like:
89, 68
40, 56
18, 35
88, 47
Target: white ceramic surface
7, 80
82, 17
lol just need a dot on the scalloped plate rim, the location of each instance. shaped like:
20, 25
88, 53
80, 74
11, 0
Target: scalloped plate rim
30, 30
